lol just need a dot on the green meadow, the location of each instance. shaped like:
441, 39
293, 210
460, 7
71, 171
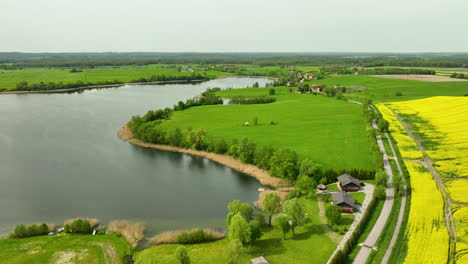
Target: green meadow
64, 248
326, 130
310, 245
9, 78
384, 90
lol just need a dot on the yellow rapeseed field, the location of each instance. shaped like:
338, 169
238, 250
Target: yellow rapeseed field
428, 239
461, 223
407, 147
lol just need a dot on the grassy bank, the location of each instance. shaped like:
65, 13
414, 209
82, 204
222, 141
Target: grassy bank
310, 245
64, 248
328, 131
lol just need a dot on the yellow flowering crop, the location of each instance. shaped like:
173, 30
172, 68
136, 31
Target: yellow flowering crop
428, 238
461, 224
458, 190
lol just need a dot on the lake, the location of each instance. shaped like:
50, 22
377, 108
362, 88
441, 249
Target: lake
60, 158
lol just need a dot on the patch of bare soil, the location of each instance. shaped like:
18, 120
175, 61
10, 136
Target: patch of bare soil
68, 257
261, 175
110, 254
424, 78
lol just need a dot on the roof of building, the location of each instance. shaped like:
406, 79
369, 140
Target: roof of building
342, 197
259, 260
346, 179
321, 186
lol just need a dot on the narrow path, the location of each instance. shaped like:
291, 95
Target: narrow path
401, 213
333, 236
371, 240
427, 162
368, 189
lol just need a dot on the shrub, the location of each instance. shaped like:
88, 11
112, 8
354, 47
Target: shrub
260, 218
380, 193
220, 146
186, 237
22, 231
262, 156
333, 214
79, 226
255, 231
399, 94
283, 164
133, 233
271, 91
182, 255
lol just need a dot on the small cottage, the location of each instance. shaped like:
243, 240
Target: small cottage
348, 183
344, 201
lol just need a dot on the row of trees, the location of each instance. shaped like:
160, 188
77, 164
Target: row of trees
252, 100
458, 75
22, 231
397, 71
43, 86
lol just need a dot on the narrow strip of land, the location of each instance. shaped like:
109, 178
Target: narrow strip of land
401, 213
261, 175
379, 225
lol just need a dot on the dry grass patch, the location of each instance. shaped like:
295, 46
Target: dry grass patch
171, 236
132, 232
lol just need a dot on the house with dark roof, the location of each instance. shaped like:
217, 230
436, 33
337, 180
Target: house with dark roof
345, 201
348, 183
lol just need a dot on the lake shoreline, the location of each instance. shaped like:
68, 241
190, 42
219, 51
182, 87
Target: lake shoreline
116, 85
261, 175
101, 86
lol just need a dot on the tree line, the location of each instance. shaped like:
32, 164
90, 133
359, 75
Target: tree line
25, 86
252, 100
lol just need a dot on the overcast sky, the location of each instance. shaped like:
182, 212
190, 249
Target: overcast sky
234, 25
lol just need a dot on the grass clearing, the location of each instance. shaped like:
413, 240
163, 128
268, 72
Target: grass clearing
64, 248
310, 245
328, 131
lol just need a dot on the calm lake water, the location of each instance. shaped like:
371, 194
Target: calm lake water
60, 158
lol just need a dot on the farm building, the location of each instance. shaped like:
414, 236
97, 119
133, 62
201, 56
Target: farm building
344, 201
317, 87
348, 183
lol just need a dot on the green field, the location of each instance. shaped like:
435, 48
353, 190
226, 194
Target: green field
64, 248
326, 130
384, 90
9, 78
310, 245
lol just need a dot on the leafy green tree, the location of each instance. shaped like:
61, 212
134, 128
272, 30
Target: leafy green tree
247, 211
220, 146
182, 255
175, 137
382, 125
397, 183
260, 218
255, 231
234, 149
234, 206
271, 204
381, 178
307, 167
198, 139
20, 231
43, 229
283, 164
255, 85
282, 223
234, 251
379, 192
263, 156
333, 214
239, 229
271, 91
305, 183
246, 150
295, 211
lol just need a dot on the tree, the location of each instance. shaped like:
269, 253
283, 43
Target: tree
246, 150
382, 125
295, 211
182, 255
255, 85
234, 206
282, 223
309, 168
283, 164
262, 156
220, 146
43, 229
381, 178
305, 183
234, 251
260, 218
175, 137
20, 231
255, 231
271, 204
379, 192
397, 182
239, 229
247, 211
333, 214
272, 91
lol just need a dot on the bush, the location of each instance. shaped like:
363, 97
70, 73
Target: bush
283, 164
271, 91
262, 156
22, 231
379, 193
399, 94
79, 226
186, 237
182, 255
